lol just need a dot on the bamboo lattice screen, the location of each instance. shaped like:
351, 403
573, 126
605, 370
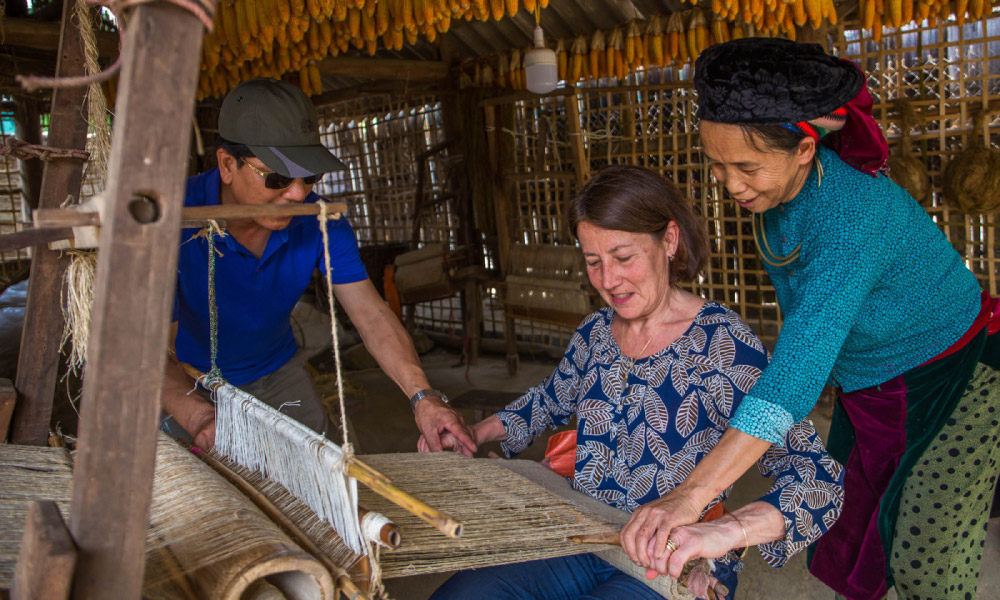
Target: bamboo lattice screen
10, 203
380, 139
946, 71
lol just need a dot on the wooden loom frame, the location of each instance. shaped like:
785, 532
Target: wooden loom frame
117, 437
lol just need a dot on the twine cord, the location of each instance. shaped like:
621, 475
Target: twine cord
210, 232
323, 217
97, 103
22, 150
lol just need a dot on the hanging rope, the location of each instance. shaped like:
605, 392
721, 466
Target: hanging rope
323, 217
209, 233
98, 144
203, 9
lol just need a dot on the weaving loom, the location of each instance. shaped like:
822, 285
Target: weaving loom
207, 540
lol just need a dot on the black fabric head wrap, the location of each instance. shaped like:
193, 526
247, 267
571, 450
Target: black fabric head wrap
770, 80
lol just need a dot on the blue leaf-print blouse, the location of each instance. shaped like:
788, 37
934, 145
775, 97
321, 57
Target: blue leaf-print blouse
643, 425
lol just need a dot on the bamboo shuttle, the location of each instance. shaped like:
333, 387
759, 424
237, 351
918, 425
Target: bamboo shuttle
611, 538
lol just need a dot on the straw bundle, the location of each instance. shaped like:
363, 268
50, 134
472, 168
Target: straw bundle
972, 179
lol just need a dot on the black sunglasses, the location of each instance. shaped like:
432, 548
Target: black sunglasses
277, 181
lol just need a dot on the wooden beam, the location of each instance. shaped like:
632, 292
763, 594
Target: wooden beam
67, 217
38, 361
33, 237
134, 292
383, 68
578, 151
7, 398
47, 555
44, 35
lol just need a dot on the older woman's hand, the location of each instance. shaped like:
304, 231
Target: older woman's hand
699, 540
645, 536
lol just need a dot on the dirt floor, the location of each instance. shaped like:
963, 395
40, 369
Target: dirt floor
382, 422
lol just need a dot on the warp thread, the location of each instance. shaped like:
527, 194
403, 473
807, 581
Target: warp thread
308, 465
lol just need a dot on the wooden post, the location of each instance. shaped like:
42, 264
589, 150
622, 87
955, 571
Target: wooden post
134, 290
501, 153
38, 362
29, 129
581, 166
7, 398
47, 555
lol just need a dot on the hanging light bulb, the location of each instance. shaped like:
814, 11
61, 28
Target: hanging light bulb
540, 70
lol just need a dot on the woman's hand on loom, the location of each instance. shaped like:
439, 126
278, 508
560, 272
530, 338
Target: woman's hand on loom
441, 427
645, 536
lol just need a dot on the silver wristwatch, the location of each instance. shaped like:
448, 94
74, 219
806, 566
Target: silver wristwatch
423, 394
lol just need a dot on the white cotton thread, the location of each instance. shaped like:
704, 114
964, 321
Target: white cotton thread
258, 437
371, 527
293, 404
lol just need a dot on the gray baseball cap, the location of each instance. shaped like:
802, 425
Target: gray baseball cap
280, 126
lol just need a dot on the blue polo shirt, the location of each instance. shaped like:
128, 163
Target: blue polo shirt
254, 296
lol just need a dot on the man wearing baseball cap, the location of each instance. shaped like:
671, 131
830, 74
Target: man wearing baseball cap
269, 152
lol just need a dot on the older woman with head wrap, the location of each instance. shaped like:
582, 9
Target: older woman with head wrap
652, 380
876, 302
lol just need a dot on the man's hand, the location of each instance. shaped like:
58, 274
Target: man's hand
203, 431
435, 419
644, 537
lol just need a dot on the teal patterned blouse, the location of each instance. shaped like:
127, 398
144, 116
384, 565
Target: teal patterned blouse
877, 289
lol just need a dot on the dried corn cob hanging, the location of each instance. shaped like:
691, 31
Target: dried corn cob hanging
561, 60
598, 61
576, 65
654, 41
616, 48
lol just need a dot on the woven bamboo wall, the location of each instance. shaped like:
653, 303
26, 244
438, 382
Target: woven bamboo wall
380, 140
10, 209
946, 71
949, 73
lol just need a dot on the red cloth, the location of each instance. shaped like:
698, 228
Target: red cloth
861, 143
560, 453
988, 317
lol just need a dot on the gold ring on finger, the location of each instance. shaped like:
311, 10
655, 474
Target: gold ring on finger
671, 545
